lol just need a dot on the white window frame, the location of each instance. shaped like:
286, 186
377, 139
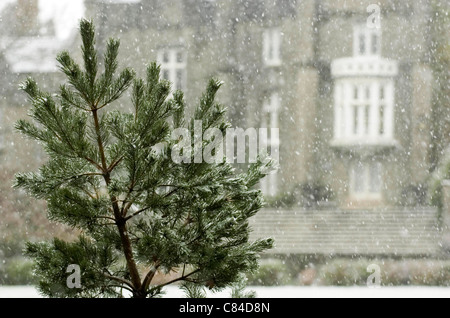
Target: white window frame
272, 47
270, 119
370, 186
363, 36
357, 117
172, 66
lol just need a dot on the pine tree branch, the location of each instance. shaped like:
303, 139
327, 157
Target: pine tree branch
171, 192
89, 174
62, 130
149, 277
196, 239
108, 224
120, 286
106, 217
137, 213
93, 162
118, 279
185, 278
100, 141
114, 164
90, 195
94, 187
73, 200
119, 91
58, 184
64, 138
188, 220
126, 207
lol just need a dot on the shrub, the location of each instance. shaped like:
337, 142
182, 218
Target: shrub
270, 273
345, 272
414, 195
342, 272
16, 271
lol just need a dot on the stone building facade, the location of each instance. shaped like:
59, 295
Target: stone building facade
352, 102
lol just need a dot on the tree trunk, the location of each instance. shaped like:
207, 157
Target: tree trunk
120, 220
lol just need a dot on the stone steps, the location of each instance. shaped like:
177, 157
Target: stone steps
396, 231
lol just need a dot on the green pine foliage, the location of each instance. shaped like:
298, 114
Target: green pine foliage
110, 175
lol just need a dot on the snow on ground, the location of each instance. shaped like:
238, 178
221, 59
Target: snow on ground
283, 292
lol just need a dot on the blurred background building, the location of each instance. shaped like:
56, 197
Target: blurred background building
363, 112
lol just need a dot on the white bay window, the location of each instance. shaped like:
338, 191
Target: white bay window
364, 111
364, 94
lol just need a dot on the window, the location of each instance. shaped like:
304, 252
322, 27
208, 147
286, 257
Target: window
271, 47
382, 116
366, 180
366, 41
362, 44
364, 93
382, 130
375, 44
364, 110
361, 108
173, 67
270, 119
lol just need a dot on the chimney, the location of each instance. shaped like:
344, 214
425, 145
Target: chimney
446, 215
27, 17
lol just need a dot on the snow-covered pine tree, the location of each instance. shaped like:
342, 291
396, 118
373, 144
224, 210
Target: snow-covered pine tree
137, 212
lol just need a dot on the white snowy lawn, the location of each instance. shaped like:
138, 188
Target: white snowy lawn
283, 292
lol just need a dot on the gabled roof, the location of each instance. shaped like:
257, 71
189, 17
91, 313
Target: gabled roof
33, 55
58, 22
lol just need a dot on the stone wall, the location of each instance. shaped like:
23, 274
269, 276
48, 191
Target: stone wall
446, 215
